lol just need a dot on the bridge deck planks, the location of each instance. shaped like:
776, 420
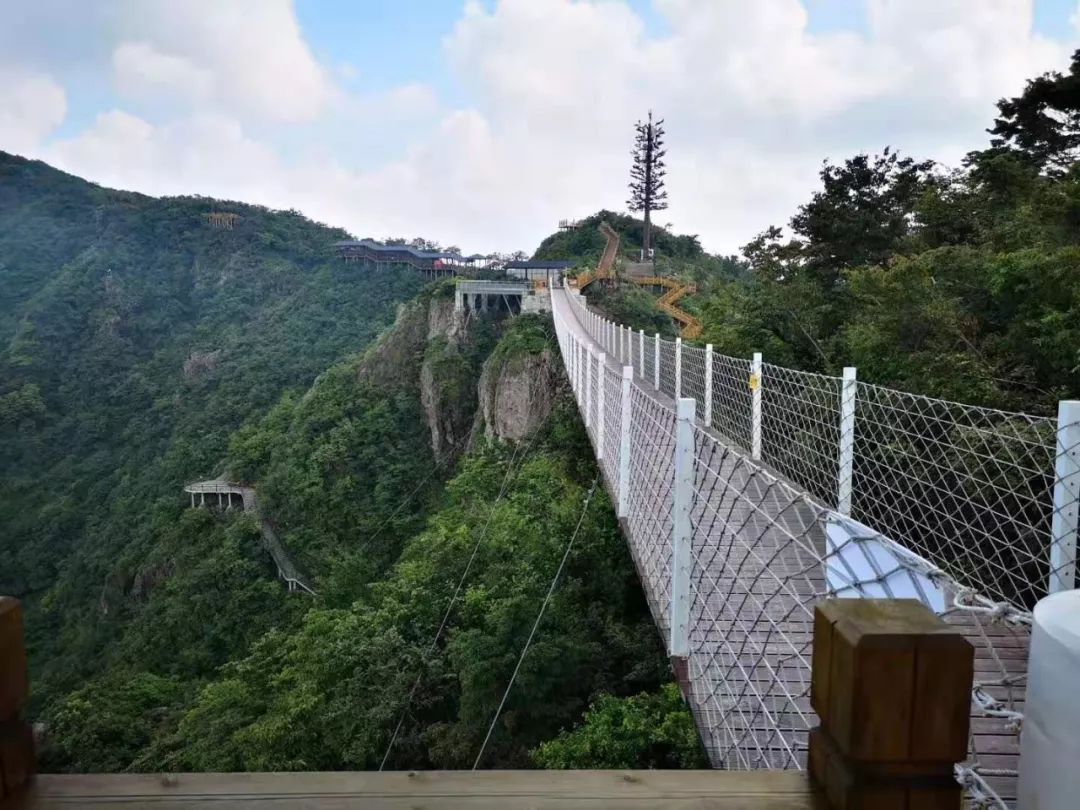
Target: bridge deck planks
454, 790
761, 611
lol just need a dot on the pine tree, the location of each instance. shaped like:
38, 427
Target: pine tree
647, 191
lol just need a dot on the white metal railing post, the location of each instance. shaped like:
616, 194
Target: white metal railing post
641, 353
656, 361
588, 388
600, 374
624, 443
1063, 524
575, 365
580, 372
678, 368
847, 441
708, 385
682, 496
755, 407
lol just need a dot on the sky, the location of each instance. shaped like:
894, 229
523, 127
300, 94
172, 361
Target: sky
482, 123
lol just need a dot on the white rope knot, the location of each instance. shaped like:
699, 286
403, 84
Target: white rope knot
1002, 612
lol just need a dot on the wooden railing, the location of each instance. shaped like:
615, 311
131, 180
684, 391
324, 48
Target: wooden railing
891, 683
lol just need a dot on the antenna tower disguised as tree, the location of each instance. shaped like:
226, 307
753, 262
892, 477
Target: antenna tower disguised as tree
647, 191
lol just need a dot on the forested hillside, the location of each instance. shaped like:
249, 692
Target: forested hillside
134, 338
144, 348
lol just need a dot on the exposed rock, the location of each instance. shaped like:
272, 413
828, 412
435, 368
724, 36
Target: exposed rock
399, 350
448, 397
444, 321
516, 395
150, 578
198, 363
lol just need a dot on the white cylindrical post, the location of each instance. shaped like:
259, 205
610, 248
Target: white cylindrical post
846, 464
641, 353
678, 368
708, 385
656, 361
600, 375
755, 407
589, 359
1050, 741
624, 443
682, 497
1063, 524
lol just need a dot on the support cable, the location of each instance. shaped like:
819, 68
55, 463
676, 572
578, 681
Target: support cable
536, 624
457, 590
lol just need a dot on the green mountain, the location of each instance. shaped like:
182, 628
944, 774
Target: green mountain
400, 453
134, 338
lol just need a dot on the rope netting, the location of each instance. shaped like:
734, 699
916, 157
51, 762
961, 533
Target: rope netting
950, 504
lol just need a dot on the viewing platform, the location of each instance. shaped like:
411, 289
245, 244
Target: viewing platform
514, 297
432, 263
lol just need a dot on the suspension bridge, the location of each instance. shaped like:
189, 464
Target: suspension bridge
755, 500
749, 492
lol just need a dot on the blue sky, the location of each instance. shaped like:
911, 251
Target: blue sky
483, 123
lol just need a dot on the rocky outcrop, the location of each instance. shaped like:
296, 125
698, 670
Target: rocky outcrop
148, 579
444, 321
395, 355
198, 363
446, 388
516, 395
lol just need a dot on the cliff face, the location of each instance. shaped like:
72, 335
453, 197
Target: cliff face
515, 393
469, 386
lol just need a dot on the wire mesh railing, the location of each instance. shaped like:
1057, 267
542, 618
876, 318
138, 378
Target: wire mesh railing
946, 503
970, 488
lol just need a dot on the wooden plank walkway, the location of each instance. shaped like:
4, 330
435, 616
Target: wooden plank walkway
418, 790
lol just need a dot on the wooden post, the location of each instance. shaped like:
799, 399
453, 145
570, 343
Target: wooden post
16, 737
891, 683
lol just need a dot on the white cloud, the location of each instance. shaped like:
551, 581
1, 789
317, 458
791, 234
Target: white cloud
754, 100
31, 106
254, 55
144, 73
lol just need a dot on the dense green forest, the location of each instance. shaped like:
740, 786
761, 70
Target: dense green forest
143, 348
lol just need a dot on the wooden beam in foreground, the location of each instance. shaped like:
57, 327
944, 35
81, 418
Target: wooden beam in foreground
453, 790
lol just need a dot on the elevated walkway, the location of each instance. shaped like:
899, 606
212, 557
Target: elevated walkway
225, 494
641, 273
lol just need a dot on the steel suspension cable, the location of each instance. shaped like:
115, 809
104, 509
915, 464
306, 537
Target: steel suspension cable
536, 624
460, 585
